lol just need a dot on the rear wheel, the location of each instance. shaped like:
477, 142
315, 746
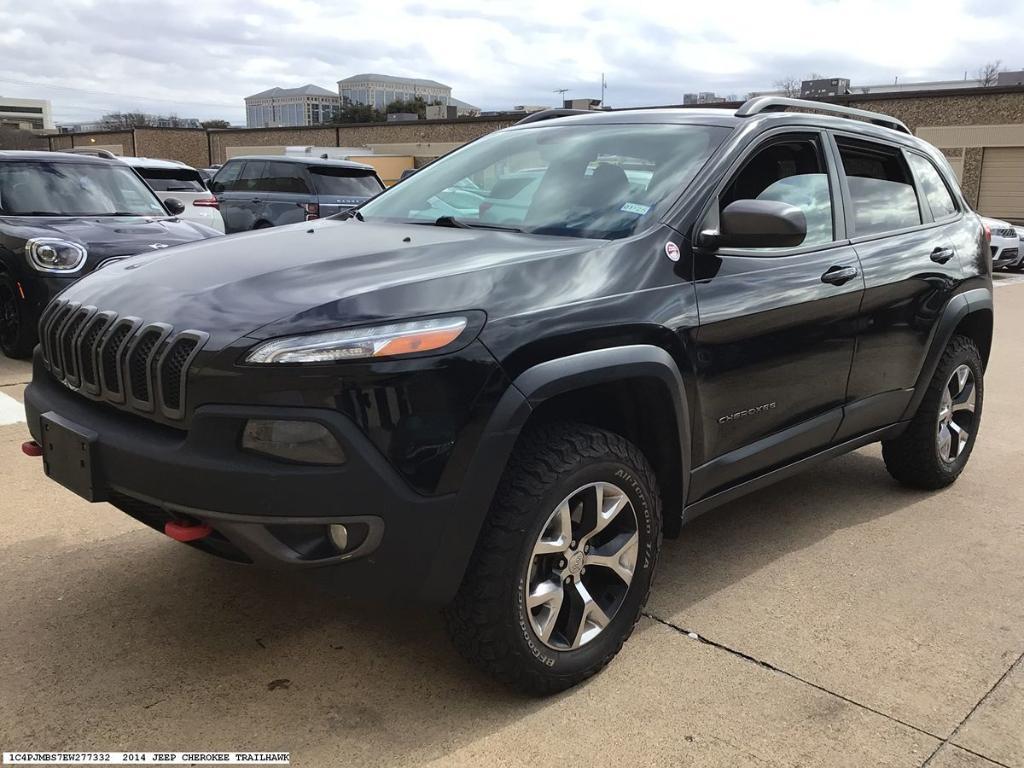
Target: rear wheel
934, 449
564, 564
17, 334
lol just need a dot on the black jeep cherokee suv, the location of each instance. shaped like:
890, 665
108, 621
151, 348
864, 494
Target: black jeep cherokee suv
505, 410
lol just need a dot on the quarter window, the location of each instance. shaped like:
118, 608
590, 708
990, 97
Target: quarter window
881, 189
284, 177
790, 171
935, 190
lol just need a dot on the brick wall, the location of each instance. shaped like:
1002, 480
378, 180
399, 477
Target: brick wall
189, 145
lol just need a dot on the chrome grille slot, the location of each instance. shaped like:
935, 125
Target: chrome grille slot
137, 366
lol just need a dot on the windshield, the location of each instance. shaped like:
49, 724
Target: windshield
603, 181
74, 189
173, 179
345, 181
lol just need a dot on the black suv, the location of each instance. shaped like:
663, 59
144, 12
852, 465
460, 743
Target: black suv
506, 418
62, 216
257, 192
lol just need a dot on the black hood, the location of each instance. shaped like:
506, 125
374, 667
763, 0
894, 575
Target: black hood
322, 274
102, 236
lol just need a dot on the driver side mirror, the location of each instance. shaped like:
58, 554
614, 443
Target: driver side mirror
758, 224
174, 206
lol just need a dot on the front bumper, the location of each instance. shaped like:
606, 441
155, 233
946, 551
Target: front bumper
263, 511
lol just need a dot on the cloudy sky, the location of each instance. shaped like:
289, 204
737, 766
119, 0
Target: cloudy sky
200, 58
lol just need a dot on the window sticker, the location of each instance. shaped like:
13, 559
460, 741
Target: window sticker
636, 208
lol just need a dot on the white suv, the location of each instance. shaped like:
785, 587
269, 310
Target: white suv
1006, 246
169, 178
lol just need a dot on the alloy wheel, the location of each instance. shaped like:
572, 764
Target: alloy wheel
956, 414
581, 566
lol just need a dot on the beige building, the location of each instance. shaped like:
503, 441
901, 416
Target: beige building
27, 114
286, 107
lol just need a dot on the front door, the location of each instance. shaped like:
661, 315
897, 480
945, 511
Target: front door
777, 326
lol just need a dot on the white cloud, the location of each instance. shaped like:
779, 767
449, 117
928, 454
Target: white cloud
201, 59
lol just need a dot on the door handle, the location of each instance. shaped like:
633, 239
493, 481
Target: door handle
942, 255
839, 275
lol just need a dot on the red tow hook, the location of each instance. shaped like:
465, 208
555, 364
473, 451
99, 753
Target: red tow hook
185, 531
31, 448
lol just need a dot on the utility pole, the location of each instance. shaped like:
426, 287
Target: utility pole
561, 93
604, 84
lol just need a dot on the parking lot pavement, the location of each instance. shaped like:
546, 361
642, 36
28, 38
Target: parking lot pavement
844, 621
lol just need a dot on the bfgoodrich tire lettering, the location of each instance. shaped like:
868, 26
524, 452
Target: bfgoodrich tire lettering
923, 457
489, 621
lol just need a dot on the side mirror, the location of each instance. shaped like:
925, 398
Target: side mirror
759, 224
174, 206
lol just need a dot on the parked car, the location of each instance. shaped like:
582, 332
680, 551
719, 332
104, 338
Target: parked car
1006, 250
256, 192
63, 216
506, 420
170, 178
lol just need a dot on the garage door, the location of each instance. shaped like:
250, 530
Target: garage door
1002, 183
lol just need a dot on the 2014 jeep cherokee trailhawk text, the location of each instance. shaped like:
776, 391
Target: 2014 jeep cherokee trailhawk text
503, 408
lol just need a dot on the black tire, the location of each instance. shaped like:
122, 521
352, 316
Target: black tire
489, 621
17, 332
916, 458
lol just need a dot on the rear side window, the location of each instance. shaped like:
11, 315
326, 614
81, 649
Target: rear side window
284, 177
791, 171
172, 179
345, 181
881, 189
934, 188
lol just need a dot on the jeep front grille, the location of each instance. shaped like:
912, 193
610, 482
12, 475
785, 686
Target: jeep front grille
141, 366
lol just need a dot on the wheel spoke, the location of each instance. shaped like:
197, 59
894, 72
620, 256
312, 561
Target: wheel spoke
545, 603
963, 373
619, 555
558, 534
965, 400
961, 435
944, 442
586, 616
602, 509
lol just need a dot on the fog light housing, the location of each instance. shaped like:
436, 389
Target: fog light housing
339, 536
302, 442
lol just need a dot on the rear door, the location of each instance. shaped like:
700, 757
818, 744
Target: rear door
906, 228
281, 194
777, 326
338, 189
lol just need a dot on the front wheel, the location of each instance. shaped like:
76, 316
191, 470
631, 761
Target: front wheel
934, 449
17, 333
564, 564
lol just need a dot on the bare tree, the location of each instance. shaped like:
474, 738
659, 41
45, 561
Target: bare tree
789, 85
989, 73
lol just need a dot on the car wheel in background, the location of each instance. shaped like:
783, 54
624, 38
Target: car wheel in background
17, 334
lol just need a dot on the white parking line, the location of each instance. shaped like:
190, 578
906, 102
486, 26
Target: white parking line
11, 411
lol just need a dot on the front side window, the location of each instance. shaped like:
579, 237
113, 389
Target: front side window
881, 189
251, 177
226, 177
74, 189
935, 190
600, 181
792, 171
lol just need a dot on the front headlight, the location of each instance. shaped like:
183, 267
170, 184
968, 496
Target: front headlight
379, 341
53, 255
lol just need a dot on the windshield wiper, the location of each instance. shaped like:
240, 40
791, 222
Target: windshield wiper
451, 221
351, 213
37, 213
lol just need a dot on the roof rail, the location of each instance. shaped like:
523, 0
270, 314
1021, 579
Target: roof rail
761, 104
106, 154
550, 114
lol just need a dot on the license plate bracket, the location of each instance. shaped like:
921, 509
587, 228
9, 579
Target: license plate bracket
68, 455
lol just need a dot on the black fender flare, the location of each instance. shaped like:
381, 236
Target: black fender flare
498, 438
959, 307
